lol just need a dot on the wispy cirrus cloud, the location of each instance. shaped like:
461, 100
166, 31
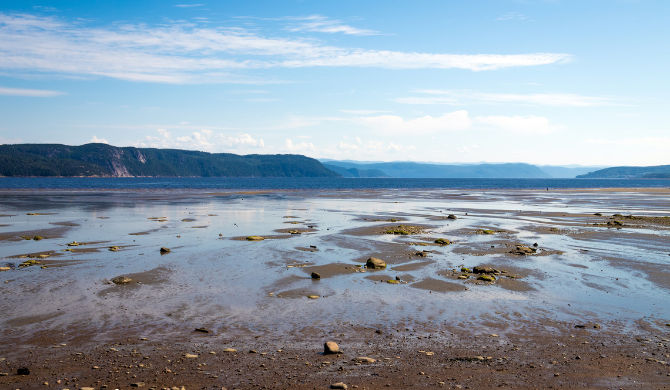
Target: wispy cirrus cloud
188, 5
29, 92
541, 99
182, 53
320, 23
394, 124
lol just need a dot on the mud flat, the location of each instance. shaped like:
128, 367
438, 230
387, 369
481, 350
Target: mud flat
481, 289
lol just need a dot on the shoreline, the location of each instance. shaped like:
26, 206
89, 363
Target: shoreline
589, 303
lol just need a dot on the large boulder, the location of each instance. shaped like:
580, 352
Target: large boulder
331, 348
375, 263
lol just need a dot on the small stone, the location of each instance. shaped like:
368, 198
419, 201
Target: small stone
330, 348
144, 339
363, 359
5, 269
255, 238
494, 335
165, 250
138, 384
230, 350
202, 330
375, 263
190, 356
313, 296
339, 385
121, 280
452, 216
316, 275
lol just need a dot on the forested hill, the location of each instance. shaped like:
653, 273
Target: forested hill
111, 161
654, 172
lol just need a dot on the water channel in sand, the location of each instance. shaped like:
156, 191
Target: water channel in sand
214, 277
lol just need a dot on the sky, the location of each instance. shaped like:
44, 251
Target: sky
535, 81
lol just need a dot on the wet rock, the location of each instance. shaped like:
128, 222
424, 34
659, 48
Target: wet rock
375, 263
523, 250
114, 248
485, 270
5, 269
202, 330
316, 275
393, 281
73, 243
442, 241
255, 238
331, 348
466, 270
313, 297
313, 246
487, 278
463, 277
421, 254
138, 384
37, 238
379, 331
339, 385
23, 371
165, 250
614, 223
452, 216
295, 231
121, 280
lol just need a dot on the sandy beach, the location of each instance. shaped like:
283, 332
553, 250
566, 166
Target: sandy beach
481, 289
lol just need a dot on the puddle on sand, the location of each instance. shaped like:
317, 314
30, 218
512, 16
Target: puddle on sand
580, 272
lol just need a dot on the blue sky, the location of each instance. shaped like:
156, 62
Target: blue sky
537, 81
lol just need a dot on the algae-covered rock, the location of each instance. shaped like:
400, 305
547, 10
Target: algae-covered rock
452, 216
73, 243
316, 275
114, 248
466, 270
121, 280
487, 278
255, 238
442, 241
375, 263
523, 250
29, 263
165, 250
37, 238
392, 281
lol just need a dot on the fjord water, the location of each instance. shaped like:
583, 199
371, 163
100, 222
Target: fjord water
299, 183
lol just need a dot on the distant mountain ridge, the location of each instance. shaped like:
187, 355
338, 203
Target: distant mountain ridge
653, 172
110, 161
406, 169
355, 172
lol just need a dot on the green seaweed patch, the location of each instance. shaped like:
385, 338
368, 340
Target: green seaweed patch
255, 238
37, 238
486, 231
442, 241
29, 263
487, 278
466, 270
598, 214
404, 230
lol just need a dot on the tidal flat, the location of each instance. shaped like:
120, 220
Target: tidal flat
482, 289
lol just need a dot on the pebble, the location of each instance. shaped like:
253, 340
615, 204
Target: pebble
165, 250
339, 385
230, 350
190, 356
363, 359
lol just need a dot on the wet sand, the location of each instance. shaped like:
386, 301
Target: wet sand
585, 307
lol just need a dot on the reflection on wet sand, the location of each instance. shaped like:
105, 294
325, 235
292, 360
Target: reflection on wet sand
550, 257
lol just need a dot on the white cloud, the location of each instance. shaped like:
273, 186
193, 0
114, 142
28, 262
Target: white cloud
301, 148
97, 140
520, 124
547, 99
179, 52
319, 23
652, 142
363, 112
458, 120
204, 139
29, 92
